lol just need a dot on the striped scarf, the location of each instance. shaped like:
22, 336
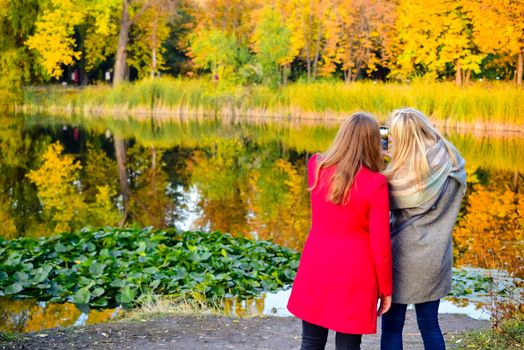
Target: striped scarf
404, 189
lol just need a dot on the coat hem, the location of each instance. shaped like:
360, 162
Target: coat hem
329, 326
417, 301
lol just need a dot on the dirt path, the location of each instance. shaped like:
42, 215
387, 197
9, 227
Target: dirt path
210, 332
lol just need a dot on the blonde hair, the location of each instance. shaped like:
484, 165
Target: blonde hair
357, 144
412, 135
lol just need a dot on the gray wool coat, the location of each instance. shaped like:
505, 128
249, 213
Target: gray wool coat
422, 252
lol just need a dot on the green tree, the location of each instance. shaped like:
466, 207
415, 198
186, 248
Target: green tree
272, 44
17, 62
213, 49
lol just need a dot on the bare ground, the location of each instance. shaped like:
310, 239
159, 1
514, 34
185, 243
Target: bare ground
214, 332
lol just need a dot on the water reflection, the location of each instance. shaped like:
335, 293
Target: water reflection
244, 178
31, 315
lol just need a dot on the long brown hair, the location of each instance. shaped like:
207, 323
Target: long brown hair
357, 144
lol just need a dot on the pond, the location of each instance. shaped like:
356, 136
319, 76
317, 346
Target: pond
244, 177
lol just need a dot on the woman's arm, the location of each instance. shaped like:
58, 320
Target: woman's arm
380, 239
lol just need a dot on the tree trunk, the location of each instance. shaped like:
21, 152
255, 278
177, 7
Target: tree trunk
121, 51
285, 73
467, 76
120, 154
458, 75
516, 182
153, 54
520, 67
307, 36
153, 63
317, 51
153, 171
346, 75
308, 61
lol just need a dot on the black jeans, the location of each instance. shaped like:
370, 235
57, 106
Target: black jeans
315, 337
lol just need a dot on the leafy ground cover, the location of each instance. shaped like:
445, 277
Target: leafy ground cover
111, 266
107, 267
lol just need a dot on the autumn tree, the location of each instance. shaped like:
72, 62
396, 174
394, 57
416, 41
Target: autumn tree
215, 50
307, 22
53, 38
17, 62
499, 30
232, 17
61, 196
151, 31
272, 44
434, 36
358, 36
131, 12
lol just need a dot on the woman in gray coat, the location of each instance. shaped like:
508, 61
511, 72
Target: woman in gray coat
427, 181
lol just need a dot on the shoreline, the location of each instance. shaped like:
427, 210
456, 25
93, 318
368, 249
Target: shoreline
216, 332
232, 115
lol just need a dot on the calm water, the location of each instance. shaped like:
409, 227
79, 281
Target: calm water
245, 178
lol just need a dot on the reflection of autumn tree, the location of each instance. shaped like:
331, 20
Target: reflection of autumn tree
98, 170
50, 316
491, 233
220, 175
8, 223
56, 181
60, 193
149, 203
248, 188
30, 316
279, 202
98, 316
18, 198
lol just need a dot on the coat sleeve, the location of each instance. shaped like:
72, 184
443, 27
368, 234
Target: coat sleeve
380, 238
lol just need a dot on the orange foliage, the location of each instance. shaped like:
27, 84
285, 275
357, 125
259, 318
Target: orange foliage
491, 234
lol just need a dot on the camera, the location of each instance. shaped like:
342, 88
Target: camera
384, 137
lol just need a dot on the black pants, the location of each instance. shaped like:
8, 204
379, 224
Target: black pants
315, 337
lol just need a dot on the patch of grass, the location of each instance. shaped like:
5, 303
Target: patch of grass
155, 306
9, 336
486, 103
508, 336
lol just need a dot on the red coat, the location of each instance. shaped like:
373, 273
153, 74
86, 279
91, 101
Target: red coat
346, 261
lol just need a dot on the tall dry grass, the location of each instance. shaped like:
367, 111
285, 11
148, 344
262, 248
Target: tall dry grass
489, 104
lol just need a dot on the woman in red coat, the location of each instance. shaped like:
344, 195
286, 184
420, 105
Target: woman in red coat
346, 262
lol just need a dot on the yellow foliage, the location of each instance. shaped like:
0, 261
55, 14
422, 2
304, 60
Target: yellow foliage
60, 193
103, 212
57, 184
53, 35
8, 224
491, 234
280, 204
443, 28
